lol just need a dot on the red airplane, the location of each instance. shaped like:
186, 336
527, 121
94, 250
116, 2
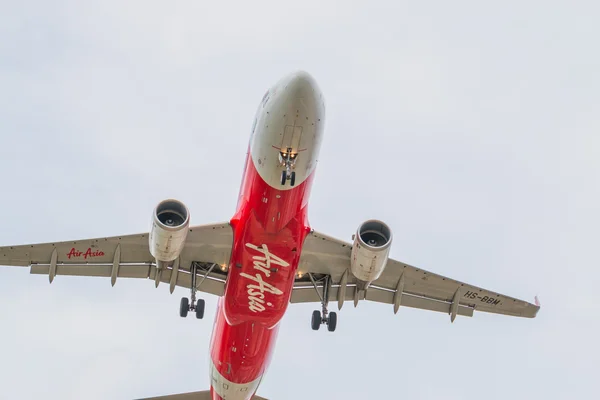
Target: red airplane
267, 255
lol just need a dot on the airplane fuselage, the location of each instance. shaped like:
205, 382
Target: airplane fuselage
269, 228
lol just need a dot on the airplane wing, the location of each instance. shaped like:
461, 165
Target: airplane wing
400, 284
128, 256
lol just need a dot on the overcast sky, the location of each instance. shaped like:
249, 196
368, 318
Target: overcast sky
472, 129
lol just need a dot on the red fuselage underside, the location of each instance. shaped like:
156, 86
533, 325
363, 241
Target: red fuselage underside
269, 228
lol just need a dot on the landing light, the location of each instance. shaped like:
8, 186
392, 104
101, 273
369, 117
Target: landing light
223, 267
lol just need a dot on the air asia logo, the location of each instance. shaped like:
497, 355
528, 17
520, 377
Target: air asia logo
88, 253
262, 264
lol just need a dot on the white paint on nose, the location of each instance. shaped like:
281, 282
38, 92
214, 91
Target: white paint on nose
290, 121
302, 85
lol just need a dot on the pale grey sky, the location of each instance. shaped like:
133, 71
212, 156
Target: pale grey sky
470, 128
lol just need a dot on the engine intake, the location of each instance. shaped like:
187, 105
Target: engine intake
375, 234
170, 222
370, 252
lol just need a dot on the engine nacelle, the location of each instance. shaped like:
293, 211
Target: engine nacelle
170, 222
370, 252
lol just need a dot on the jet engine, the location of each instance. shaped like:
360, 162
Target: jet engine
370, 252
170, 222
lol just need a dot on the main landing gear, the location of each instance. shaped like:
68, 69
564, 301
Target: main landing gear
191, 304
287, 159
185, 306
324, 316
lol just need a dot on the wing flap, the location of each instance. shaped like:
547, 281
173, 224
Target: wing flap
306, 294
213, 284
408, 300
125, 271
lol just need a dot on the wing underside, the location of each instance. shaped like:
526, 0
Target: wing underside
400, 284
207, 249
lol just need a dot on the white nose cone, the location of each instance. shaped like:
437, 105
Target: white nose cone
290, 121
302, 85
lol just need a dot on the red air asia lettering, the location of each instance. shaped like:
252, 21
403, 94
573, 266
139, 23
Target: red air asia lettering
262, 263
88, 253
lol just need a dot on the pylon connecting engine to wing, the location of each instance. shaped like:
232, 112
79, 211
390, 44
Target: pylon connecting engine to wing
370, 252
170, 226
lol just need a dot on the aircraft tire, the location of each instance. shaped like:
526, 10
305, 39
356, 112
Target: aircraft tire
316, 320
283, 177
184, 307
293, 178
332, 323
200, 308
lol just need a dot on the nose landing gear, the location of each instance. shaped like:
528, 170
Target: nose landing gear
287, 159
285, 175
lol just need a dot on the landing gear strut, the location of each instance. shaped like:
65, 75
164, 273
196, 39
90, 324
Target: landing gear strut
197, 306
287, 159
323, 316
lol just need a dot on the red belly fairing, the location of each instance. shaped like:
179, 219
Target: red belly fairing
242, 352
269, 228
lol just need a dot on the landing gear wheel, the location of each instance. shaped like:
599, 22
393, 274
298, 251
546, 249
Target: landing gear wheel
184, 307
293, 178
332, 322
200, 309
283, 177
316, 320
